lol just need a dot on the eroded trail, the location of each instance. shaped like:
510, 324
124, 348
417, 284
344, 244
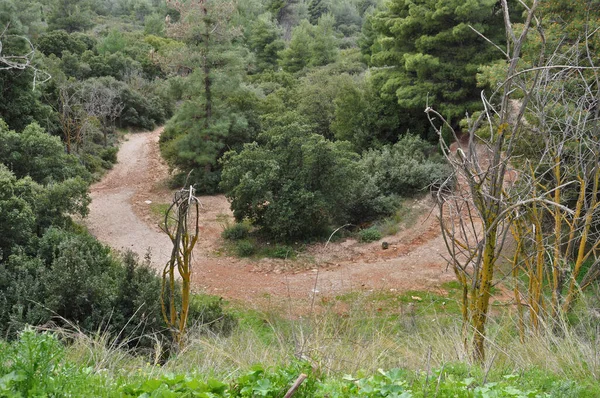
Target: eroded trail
121, 216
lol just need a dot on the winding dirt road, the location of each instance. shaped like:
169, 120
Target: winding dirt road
120, 216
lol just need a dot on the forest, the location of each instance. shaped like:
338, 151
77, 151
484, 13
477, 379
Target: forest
320, 121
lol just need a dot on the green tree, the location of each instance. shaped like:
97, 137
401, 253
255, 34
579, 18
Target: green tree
17, 218
429, 54
19, 101
37, 154
323, 46
20, 104
57, 41
265, 41
298, 53
317, 8
310, 45
218, 113
362, 117
347, 19
292, 186
317, 93
70, 15
52, 184
112, 43
154, 24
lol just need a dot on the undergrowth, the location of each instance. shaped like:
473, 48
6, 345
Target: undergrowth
357, 345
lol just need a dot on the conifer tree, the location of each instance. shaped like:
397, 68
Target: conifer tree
265, 41
316, 9
297, 55
216, 115
429, 54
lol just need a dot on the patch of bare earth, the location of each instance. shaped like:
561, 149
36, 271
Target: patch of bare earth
120, 216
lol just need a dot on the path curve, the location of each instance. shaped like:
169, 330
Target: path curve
120, 217
112, 218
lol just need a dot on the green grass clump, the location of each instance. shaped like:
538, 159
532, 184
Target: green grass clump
369, 235
278, 251
237, 231
245, 248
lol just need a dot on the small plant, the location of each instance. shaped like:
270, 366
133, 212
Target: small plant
245, 248
369, 235
281, 251
236, 231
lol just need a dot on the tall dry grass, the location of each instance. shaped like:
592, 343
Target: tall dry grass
361, 339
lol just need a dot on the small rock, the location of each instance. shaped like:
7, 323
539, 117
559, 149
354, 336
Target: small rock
148, 202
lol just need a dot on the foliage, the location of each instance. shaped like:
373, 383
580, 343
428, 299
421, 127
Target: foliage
57, 41
36, 154
207, 313
363, 117
265, 41
369, 235
244, 248
419, 40
17, 217
70, 15
218, 113
293, 185
310, 45
41, 186
74, 277
37, 364
406, 167
236, 231
21, 105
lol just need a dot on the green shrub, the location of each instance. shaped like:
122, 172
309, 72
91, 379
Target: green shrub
245, 248
293, 185
79, 280
406, 167
236, 231
281, 251
208, 312
369, 235
109, 154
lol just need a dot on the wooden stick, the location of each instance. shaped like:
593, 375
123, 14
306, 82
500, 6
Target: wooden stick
296, 385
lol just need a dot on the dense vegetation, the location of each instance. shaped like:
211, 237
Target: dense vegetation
94, 68
307, 115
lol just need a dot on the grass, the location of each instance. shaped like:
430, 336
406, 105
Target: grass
405, 217
421, 353
158, 211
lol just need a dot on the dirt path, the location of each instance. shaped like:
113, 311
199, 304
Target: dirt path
121, 217
112, 218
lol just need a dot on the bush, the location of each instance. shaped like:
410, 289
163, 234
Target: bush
236, 231
369, 235
294, 185
244, 248
76, 278
207, 312
406, 167
282, 251
109, 154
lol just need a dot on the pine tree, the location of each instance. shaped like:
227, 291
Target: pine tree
429, 55
217, 113
316, 9
298, 54
324, 44
265, 41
